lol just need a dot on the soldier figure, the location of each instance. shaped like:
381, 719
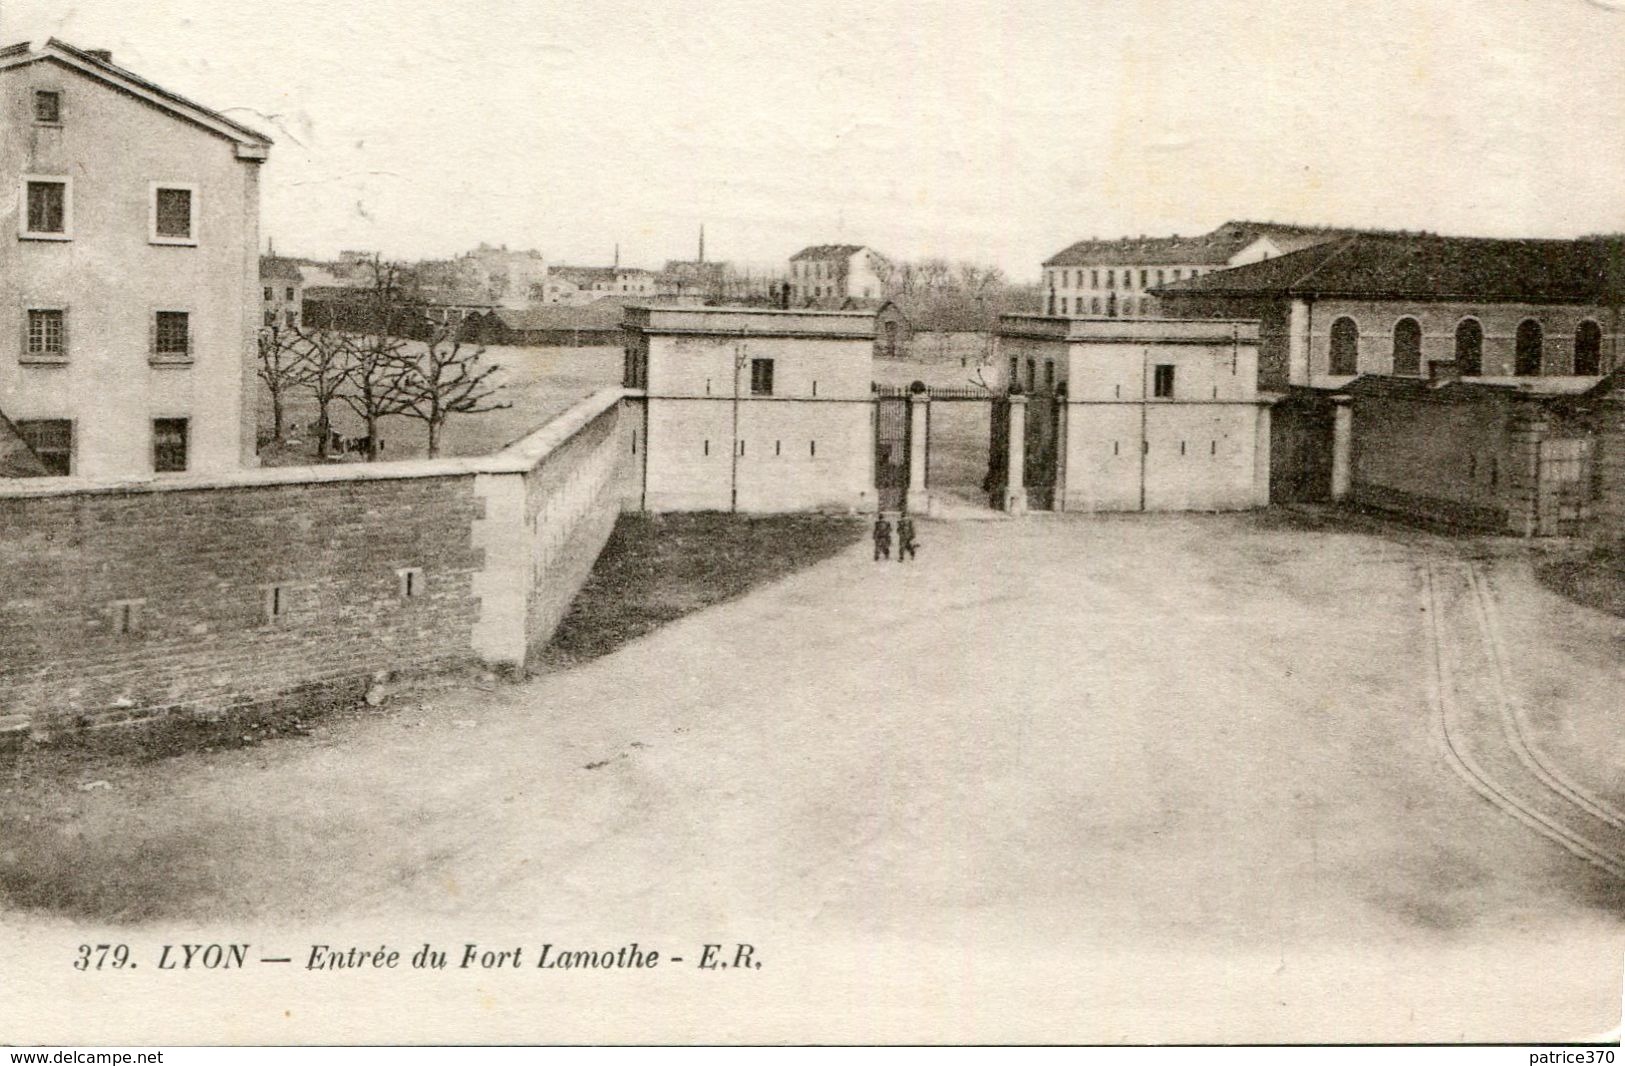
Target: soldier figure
906, 543
882, 538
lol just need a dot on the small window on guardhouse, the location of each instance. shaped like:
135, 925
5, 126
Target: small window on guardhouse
1163, 386
47, 107
409, 582
761, 377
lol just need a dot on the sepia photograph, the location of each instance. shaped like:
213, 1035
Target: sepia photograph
578, 522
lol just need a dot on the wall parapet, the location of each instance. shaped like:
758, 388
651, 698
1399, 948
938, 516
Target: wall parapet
516, 458
126, 599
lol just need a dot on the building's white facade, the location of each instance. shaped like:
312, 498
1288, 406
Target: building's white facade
129, 247
835, 272
1155, 416
1111, 291
754, 410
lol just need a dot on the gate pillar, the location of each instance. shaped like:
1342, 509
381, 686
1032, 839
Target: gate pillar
1342, 447
1063, 417
1015, 489
918, 497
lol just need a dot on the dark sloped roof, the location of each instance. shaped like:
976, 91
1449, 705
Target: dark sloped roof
1208, 249
1371, 266
272, 266
1476, 390
827, 251
600, 314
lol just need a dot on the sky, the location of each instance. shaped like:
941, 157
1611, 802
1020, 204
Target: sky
997, 132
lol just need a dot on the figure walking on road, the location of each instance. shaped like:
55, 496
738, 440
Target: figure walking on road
882, 538
906, 544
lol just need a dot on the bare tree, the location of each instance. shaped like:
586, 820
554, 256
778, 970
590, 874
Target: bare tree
281, 367
375, 366
326, 358
448, 378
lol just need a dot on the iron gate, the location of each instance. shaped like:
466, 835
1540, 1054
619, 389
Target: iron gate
1038, 472
891, 451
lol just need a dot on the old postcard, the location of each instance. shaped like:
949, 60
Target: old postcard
846, 522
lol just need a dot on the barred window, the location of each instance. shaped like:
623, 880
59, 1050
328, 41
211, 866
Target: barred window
169, 444
172, 333
46, 332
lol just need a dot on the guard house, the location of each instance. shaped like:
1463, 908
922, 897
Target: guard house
1134, 415
750, 409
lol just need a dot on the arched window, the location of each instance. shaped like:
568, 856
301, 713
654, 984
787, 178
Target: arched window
1407, 346
1345, 347
1588, 348
1469, 348
1527, 349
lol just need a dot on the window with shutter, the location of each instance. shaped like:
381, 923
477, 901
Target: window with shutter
173, 214
47, 107
48, 212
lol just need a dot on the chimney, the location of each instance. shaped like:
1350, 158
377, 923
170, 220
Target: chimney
1443, 372
100, 53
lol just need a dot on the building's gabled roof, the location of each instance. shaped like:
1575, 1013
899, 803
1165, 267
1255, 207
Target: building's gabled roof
251, 143
1370, 266
828, 251
274, 267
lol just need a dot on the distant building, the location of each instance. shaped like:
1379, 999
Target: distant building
574, 326
586, 284
508, 278
826, 272
282, 293
132, 278
753, 409
1393, 304
1113, 278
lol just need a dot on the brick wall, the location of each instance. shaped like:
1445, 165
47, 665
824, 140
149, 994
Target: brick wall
124, 600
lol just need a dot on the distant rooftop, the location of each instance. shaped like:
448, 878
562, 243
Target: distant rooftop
828, 251
746, 321
1586, 271
1208, 249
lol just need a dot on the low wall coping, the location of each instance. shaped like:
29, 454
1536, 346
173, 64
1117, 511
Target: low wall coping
520, 457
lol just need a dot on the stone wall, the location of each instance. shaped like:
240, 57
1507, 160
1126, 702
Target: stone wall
128, 599
1608, 469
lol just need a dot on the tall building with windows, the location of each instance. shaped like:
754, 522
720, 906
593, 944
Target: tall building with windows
1114, 278
282, 293
131, 263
